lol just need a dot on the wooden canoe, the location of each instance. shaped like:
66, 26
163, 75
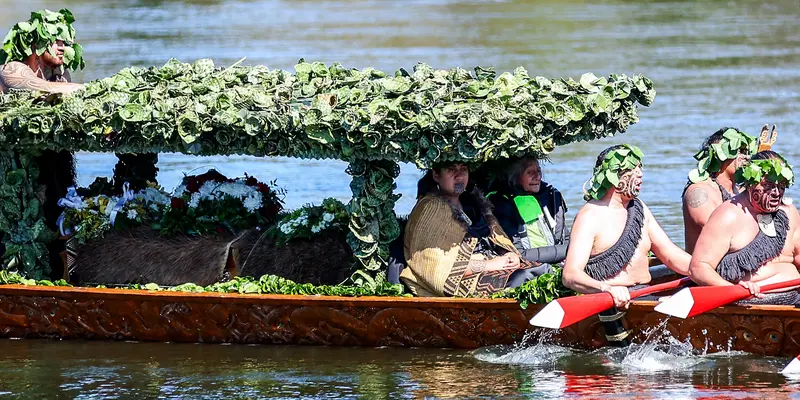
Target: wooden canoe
121, 314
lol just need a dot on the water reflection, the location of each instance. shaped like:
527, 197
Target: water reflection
45, 369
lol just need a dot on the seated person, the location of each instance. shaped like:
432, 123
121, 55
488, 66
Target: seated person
614, 231
712, 183
452, 242
531, 213
753, 239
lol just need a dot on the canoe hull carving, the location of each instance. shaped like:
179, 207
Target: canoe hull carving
112, 314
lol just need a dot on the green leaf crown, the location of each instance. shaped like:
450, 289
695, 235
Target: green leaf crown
710, 158
615, 163
38, 33
776, 170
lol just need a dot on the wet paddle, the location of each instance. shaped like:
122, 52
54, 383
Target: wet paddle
697, 300
566, 311
793, 367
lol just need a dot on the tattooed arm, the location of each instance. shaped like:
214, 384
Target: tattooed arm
700, 202
16, 75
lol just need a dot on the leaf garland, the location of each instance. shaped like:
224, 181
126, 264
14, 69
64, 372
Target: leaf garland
423, 116
710, 158
373, 223
37, 34
544, 289
615, 162
775, 170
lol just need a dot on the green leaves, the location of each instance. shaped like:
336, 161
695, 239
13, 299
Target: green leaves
775, 170
541, 290
615, 162
710, 158
43, 29
320, 111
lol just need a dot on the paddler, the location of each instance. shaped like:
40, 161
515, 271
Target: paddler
612, 235
713, 181
753, 239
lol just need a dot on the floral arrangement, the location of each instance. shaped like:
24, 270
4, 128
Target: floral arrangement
202, 204
91, 217
310, 220
212, 203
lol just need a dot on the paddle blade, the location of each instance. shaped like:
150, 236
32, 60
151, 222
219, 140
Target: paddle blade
697, 300
564, 312
793, 367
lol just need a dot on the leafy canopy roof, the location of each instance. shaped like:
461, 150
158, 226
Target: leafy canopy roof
422, 116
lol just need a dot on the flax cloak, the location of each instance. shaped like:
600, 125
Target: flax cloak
439, 249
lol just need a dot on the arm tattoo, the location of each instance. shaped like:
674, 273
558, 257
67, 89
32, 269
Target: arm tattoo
697, 197
477, 266
16, 75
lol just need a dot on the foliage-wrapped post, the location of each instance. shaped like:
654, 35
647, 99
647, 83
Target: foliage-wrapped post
25, 234
373, 224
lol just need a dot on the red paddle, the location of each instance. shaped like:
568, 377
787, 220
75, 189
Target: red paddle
697, 300
569, 310
793, 367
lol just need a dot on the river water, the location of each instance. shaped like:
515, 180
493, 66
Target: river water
714, 64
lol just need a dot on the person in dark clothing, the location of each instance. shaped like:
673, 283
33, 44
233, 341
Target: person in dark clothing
532, 213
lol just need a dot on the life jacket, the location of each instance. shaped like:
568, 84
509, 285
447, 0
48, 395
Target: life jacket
539, 224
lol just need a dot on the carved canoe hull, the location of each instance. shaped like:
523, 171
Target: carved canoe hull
116, 314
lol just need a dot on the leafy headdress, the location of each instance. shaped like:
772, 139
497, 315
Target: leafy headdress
710, 158
37, 34
616, 162
776, 170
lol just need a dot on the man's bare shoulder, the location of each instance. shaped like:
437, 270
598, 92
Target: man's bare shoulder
700, 193
727, 214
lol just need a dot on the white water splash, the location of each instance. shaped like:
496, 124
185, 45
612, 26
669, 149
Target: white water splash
658, 352
542, 352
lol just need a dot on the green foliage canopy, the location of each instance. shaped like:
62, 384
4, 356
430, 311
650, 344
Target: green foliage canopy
423, 116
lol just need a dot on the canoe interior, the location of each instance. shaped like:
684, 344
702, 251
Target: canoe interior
117, 314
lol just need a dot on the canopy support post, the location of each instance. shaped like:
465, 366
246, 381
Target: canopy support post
25, 233
373, 223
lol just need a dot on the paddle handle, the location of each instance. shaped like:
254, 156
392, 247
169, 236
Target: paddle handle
660, 287
780, 285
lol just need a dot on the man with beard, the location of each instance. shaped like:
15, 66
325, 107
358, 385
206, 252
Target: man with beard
712, 182
612, 234
753, 239
37, 54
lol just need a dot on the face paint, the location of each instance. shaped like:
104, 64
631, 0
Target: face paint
766, 197
630, 184
459, 188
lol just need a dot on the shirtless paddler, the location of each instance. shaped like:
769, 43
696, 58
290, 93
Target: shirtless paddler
753, 240
614, 231
713, 181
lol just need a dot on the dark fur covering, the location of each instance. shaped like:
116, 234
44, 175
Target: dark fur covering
141, 256
326, 260
610, 263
